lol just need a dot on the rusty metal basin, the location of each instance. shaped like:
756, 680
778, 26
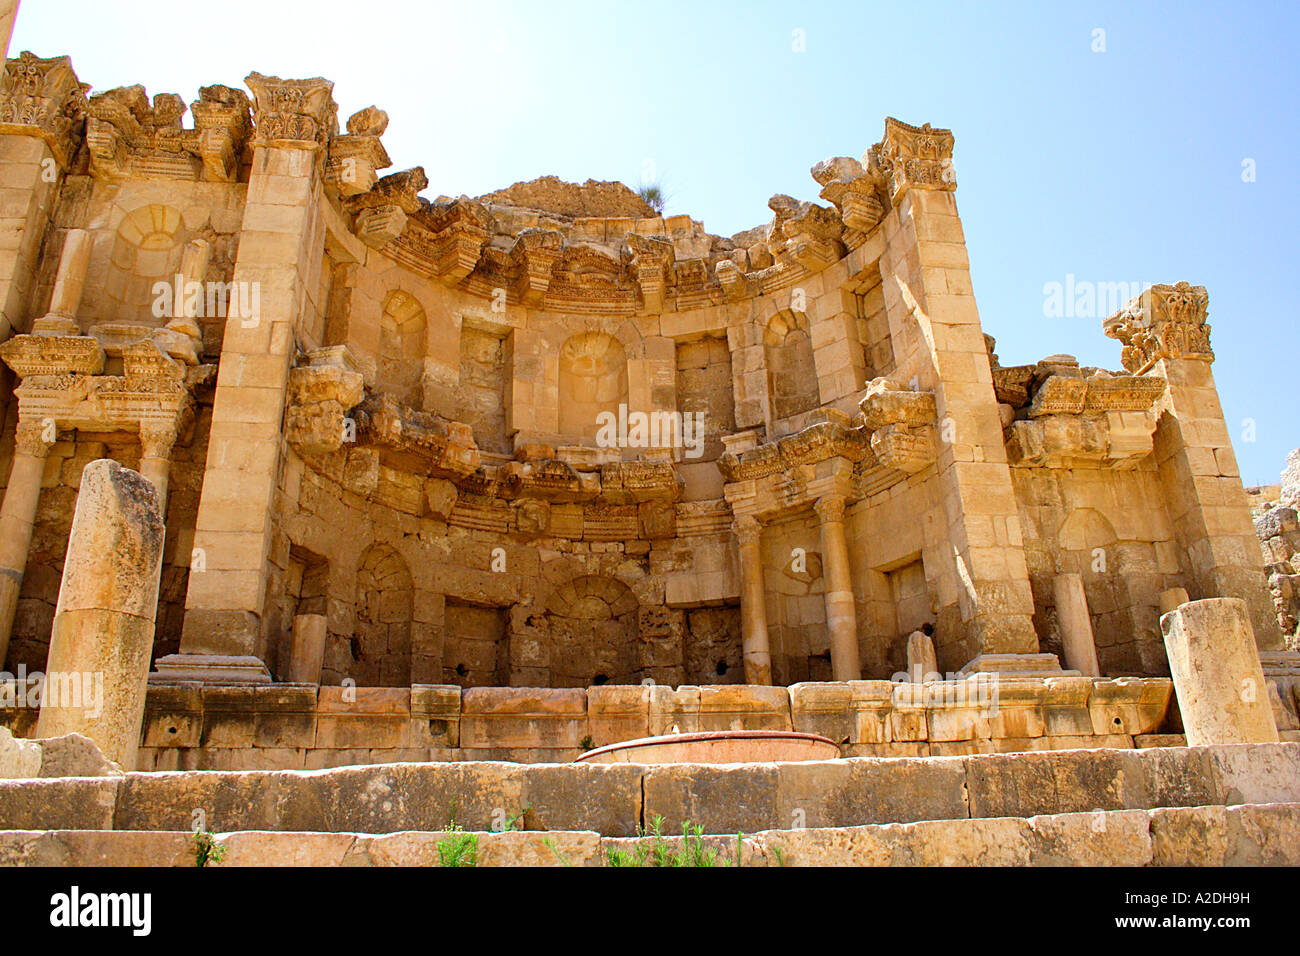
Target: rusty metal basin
721, 746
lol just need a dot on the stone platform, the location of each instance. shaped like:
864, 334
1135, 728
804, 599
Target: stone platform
1165, 806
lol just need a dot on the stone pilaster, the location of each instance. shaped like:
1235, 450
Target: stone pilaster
1164, 333
753, 601
280, 250
42, 118
986, 604
841, 609
17, 516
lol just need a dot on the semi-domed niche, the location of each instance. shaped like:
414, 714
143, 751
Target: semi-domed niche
593, 379
591, 630
379, 653
792, 374
147, 248
400, 367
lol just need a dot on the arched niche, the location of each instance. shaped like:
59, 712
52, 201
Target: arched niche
791, 371
400, 366
593, 379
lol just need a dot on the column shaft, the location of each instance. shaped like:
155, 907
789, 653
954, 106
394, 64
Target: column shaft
1075, 622
841, 609
753, 604
17, 516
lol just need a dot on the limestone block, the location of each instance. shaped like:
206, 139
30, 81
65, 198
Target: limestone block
568, 796
744, 707
173, 716
1217, 674
1017, 710
284, 716
1065, 706
520, 848
435, 715
371, 717
59, 803
674, 710
75, 756
617, 712
229, 716
1129, 705
18, 758
523, 717
1259, 773
728, 798
954, 710
1189, 836
907, 717
961, 843
96, 848
1263, 835
1117, 838
1026, 784
104, 622
824, 708
871, 705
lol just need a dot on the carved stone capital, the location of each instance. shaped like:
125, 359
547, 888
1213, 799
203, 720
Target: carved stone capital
34, 438
43, 98
1164, 322
222, 127
830, 509
910, 157
747, 530
157, 438
296, 114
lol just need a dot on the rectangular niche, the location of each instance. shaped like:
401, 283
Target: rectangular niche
480, 398
475, 648
704, 385
912, 607
865, 299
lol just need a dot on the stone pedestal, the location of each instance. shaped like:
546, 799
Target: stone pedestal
103, 626
1076, 625
753, 603
1217, 675
17, 515
308, 649
841, 611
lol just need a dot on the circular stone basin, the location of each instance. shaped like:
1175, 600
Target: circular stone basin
721, 746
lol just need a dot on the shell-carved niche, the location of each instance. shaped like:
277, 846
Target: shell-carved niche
147, 249
593, 379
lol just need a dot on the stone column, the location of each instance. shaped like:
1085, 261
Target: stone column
1075, 621
281, 247
156, 441
69, 283
1217, 675
102, 639
753, 602
921, 659
308, 653
841, 610
17, 516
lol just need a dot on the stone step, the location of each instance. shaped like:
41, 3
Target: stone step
1243, 835
616, 799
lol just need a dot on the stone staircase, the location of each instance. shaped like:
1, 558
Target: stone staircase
1235, 804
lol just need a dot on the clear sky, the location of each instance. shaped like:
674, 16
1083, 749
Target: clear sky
1113, 157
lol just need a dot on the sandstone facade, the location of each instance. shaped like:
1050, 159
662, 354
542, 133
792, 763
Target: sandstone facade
548, 439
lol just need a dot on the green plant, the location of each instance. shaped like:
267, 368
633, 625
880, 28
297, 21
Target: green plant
652, 194
779, 854
652, 849
563, 858
587, 743
516, 821
459, 848
207, 850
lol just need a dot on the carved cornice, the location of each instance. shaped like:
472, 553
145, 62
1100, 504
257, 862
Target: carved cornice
53, 355
900, 422
816, 443
43, 98
1164, 322
861, 196
355, 155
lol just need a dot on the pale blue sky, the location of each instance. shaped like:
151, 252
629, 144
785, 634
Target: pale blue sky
1115, 166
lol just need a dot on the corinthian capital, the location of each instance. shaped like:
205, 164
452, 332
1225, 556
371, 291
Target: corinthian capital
43, 98
34, 438
747, 529
1164, 322
830, 508
299, 114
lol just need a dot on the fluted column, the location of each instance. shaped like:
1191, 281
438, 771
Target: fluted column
841, 611
753, 602
17, 515
156, 441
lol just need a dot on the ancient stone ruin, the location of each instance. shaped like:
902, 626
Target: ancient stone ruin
516, 477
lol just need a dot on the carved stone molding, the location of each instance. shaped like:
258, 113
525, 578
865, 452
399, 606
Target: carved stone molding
1164, 322
860, 195
901, 425
43, 98
355, 155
